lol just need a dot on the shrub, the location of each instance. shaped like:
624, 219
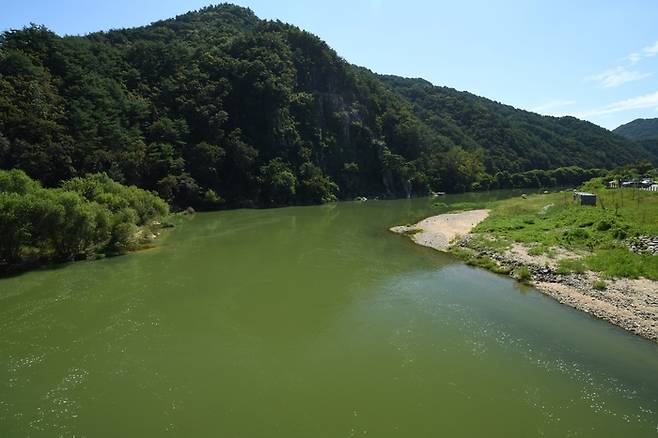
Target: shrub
576, 235
102, 189
16, 181
87, 215
523, 274
619, 233
600, 285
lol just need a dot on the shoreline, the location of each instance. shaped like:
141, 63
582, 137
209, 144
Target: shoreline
631, 304
145, 238
439, 231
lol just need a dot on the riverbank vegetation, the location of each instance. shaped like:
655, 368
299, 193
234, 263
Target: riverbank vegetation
83, 217
594, 238
219, 109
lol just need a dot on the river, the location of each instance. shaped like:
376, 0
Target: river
309, 322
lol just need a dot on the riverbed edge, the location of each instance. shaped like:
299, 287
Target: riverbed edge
576, 290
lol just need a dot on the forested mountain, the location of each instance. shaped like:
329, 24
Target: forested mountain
219, 108
513, 139
639, 129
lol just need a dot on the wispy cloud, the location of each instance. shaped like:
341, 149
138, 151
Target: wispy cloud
551, 107
651, 50
634, 57
640, 102
647, 52
619, 75
615, 77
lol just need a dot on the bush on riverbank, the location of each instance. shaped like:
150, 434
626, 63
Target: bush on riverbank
84, 216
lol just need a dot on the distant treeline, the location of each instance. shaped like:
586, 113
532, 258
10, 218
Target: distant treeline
563, 176
84, 216
218, 109
96, 215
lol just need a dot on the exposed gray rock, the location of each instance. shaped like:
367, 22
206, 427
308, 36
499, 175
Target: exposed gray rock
644, 245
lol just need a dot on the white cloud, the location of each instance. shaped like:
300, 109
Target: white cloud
640, 102
618, 76
651, 50
647, 52
550, 107
634, 57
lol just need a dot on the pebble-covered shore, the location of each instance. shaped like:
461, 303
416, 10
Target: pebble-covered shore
628, 303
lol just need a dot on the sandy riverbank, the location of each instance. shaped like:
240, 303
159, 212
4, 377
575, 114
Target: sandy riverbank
439, 231
627, 303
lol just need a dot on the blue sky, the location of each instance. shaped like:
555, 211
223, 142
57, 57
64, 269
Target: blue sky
596, 60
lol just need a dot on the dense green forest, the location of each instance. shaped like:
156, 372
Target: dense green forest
644, 131
84, 216
218, 108
639, 129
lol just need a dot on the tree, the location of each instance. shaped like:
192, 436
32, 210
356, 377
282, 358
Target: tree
197, 108
278, 183
316, 188
461, 169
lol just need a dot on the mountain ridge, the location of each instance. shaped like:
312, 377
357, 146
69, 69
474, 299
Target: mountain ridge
639, 129
217, 107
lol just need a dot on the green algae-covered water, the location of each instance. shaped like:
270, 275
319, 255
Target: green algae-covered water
309, 322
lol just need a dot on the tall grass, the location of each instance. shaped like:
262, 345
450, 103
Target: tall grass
622, 263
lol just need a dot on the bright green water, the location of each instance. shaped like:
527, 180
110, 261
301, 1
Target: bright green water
309, 322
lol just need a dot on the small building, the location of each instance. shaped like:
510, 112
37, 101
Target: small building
614, 184
584, 198
637, 183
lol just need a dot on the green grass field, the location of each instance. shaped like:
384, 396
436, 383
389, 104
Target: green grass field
554, 220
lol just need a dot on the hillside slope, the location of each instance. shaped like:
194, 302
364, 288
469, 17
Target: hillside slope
219, 108
513, 139
639, 129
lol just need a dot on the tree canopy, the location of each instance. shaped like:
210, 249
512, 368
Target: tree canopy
82, 217
639, 129
217, 108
